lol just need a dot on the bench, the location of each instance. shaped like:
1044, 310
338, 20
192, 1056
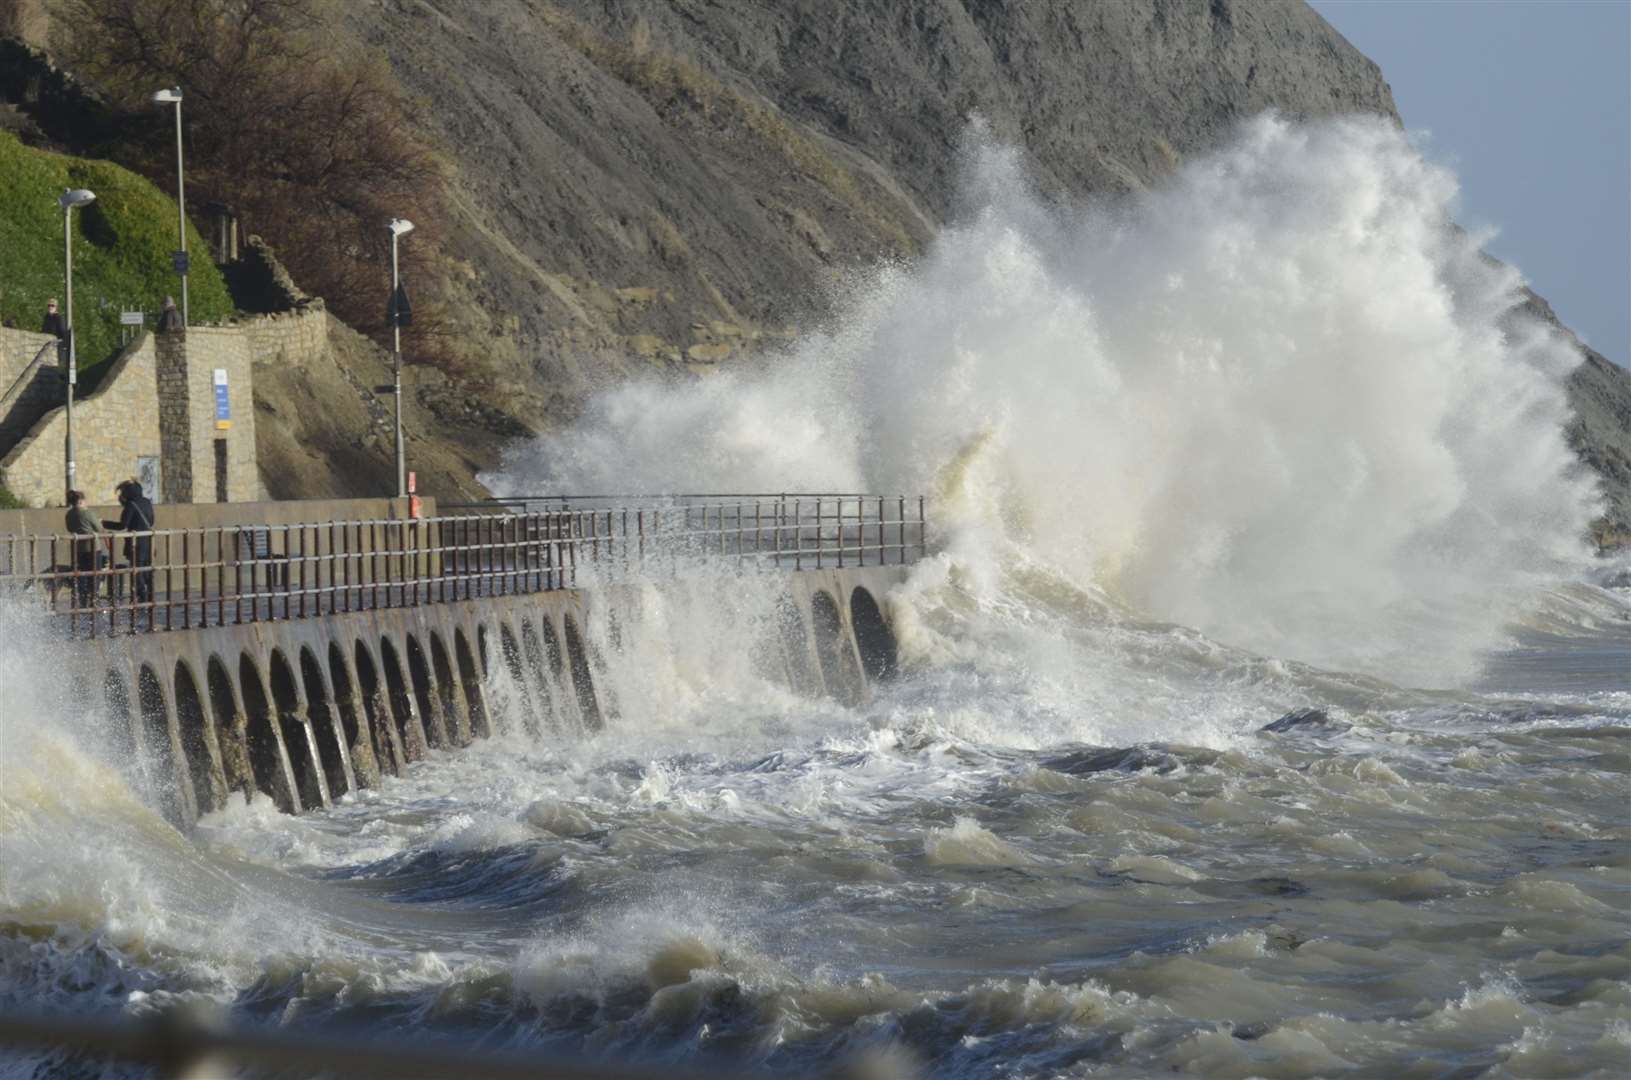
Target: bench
255, 549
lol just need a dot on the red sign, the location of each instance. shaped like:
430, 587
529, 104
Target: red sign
413, 482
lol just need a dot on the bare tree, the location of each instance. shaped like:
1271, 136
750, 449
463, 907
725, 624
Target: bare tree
312, 148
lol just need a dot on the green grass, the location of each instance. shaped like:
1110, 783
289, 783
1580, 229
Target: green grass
122, 246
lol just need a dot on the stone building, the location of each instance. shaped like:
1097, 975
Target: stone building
176, 411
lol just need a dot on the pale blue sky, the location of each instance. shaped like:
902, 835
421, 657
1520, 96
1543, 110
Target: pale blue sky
1530, 102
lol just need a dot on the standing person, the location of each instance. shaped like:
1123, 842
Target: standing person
54, 323
169, 316
88, 556
136, 517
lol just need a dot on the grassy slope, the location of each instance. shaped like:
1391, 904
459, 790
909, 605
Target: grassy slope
122, 246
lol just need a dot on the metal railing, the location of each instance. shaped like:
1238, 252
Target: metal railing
175, 579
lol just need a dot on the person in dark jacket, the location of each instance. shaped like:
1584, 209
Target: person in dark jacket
88, 555
54, 324
137, 517
169, 316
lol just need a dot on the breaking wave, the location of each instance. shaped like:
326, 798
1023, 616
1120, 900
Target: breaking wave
1279, 399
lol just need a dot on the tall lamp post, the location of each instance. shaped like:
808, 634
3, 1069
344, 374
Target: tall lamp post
68, 200
161, 98
397, 311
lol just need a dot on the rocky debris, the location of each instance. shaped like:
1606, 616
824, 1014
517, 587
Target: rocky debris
1306, 722
1129, 760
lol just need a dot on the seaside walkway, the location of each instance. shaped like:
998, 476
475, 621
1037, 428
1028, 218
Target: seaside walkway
243, 574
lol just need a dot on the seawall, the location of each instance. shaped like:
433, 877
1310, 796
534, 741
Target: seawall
307, 710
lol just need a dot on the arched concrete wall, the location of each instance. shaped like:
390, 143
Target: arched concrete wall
874, 641
839, 670
538, 677
196, 728
403, 709
583, 683
307, 710
268, 761
566, 702
470, 679
353, 717
168, 785
327, 729
376, 711
521, 685
295, 728
122, 720
231, 732
448, 690
426, 699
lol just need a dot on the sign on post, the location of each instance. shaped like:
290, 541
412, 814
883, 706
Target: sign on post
399, 312
223, 401
131, 318
178, 259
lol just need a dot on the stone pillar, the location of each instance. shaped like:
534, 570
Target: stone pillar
175, 416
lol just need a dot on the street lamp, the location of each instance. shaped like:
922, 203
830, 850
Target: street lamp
68, 200
398, 313
173, 97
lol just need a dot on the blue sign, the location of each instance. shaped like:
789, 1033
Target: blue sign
223, 402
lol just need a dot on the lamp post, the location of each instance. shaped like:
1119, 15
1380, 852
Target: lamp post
161, 98
397, 310
68, 200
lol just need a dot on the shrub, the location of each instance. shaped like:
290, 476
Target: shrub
122, 246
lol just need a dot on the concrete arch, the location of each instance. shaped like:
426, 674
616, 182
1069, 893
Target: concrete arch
554, 674
447, 688
577, 661
231, 735
880, 656
122, 721
537, 668
471, 681
267, 760
327, 734
511, 652
197, 742
553, 654
376, 714
795, 643
411, 736
295, 728
837, 659
164, 780
348, 713
424, 694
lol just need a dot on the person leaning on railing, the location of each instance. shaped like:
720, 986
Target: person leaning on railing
88, 554
136, 517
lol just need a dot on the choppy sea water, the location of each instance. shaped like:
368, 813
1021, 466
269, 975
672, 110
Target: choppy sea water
982, 865
1267, 445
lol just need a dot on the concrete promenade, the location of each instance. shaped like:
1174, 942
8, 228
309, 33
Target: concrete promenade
305, 660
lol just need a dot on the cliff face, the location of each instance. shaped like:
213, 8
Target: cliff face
663, 183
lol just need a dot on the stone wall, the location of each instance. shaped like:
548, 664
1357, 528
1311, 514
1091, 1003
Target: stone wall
30, 386
290, 339
158, 401
114, 428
